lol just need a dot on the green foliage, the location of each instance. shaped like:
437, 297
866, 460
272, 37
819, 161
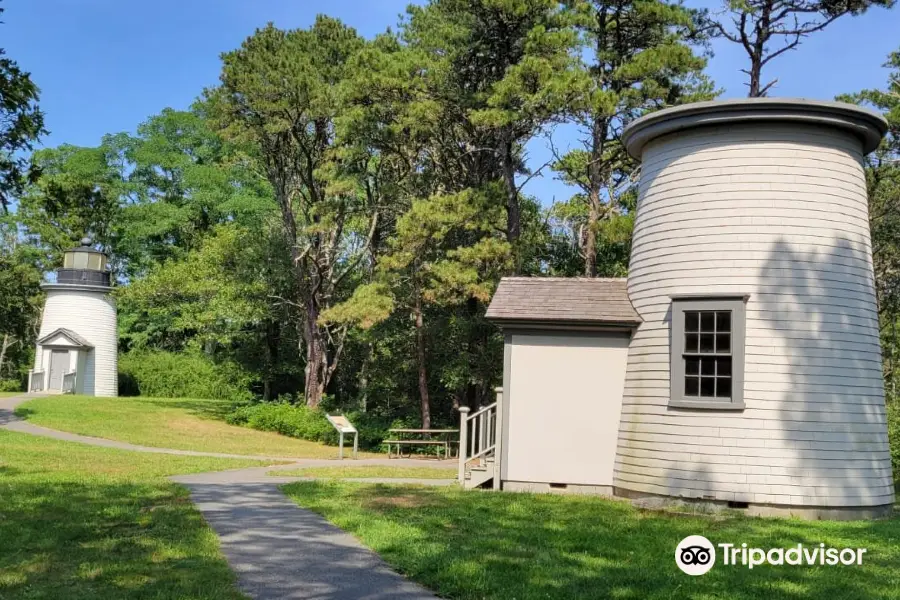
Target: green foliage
188, 374
293, 420
299, 421
21, 124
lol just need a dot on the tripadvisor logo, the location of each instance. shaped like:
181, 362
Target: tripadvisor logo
696, 555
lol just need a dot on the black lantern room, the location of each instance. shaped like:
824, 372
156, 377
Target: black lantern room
84, 265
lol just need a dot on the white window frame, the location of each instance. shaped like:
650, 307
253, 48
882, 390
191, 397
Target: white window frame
738, 308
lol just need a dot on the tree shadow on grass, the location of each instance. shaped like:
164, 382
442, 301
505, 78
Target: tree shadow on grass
199, 407
490, 545
91, 540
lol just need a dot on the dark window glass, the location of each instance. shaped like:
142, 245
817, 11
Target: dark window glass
691, 386
723, 343
723, 366
723, 387
723, 321
690, 342
692, 366
707, 333
691, 321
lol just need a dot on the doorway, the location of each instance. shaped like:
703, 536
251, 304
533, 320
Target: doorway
59, 366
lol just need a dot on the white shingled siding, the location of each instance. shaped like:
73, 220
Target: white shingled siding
778, 212
92, 315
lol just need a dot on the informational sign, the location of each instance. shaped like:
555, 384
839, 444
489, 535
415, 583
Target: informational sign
342, 425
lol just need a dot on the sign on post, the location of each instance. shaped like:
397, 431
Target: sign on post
342, 425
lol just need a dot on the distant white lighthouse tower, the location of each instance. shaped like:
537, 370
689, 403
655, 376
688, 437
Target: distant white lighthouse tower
77, 344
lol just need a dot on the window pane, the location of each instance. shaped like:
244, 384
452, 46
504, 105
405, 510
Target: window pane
723, 387
707, 321
691, 386
723, 366
691, 321
708, 367
692, 366
707, 342
723, 342
723, 321
690, 342
707, 387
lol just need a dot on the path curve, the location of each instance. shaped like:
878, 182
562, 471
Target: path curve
278, 550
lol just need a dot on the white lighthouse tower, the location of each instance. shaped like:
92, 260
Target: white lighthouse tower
77, 344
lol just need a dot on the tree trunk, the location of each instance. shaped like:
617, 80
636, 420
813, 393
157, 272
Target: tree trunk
315, 355
590, 238
3, 348
513, 211
763, 32
424, 400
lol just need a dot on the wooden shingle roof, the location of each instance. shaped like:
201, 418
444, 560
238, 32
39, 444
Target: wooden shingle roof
562, 301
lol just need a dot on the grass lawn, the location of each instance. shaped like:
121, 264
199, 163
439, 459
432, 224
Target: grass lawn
370, 471
10, 394
183, 424
79, 522
502, 545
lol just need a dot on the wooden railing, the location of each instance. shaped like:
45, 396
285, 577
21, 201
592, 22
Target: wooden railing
35, 381
68, 383
479, 435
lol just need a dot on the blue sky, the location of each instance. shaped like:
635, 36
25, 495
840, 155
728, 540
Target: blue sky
106, 65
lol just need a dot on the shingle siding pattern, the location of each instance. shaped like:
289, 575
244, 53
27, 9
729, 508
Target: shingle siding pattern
579, 299
779, 213
92, 316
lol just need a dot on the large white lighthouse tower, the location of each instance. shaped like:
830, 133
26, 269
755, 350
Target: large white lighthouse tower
77, 344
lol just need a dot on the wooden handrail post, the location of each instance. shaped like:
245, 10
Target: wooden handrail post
498, 438
463, 442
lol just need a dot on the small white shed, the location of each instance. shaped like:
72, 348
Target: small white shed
566, 350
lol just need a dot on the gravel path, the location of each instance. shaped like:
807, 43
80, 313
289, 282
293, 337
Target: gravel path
278, 550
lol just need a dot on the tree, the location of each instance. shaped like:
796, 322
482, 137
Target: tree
21, 124
636, 58
500, 72
282, 92
20, 300
766, 29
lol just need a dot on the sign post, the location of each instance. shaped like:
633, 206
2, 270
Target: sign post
342, 425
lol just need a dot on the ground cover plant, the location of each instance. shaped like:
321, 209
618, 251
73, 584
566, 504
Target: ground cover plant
81, 522
470, 545
179, 423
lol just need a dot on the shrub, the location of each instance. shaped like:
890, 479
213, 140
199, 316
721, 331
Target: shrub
299, 421
188, 374
10, 385
893, 418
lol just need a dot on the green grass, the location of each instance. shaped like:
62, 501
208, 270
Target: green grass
10, 394
183, 424
471, 545
370, 471
80, 522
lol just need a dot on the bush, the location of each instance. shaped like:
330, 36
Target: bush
10, 385
299, 421
188, 374
893, 418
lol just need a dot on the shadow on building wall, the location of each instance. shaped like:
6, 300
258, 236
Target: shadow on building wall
832, 421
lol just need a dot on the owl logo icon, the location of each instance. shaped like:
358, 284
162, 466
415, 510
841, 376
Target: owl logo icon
695, 555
